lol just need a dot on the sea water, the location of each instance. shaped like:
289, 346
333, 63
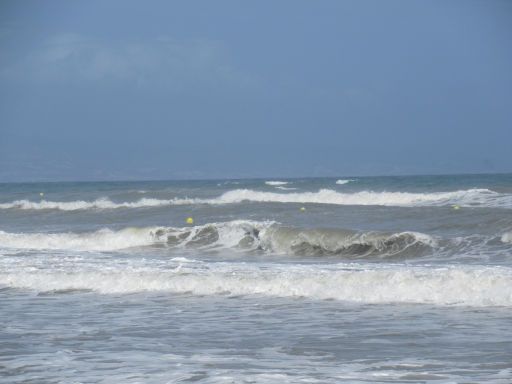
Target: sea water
324, 280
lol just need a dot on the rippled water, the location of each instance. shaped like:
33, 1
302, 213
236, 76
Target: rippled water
314, 280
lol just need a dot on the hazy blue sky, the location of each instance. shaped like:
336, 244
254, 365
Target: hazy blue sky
194, 89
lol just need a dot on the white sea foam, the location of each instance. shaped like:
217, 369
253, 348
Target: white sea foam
246, 236
507, 237
471, 197
227, 234
342, 181
285, 188
266, 236
464, 198
102, 203
274, 183
482, 286
102, 240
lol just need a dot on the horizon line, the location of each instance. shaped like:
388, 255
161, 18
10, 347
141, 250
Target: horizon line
254, 178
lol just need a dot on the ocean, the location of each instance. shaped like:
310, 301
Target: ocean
315, 280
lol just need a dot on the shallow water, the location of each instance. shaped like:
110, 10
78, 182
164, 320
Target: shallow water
146, 337
376, 280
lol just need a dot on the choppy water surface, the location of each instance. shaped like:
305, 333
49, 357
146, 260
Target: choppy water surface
398, 279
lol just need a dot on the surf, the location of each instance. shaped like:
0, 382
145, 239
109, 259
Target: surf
462, 198
264, 237
450, 285
471, 197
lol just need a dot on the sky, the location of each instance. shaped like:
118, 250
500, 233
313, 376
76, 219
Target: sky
138, 90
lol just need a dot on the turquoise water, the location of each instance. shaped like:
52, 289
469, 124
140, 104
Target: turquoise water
385, 279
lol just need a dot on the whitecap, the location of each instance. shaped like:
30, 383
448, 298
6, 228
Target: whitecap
470, 197
451, 285
507, 237
462, 198
343, 182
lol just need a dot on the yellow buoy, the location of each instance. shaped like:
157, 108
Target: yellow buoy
190, 220
302, 209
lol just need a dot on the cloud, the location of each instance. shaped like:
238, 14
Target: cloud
164, 61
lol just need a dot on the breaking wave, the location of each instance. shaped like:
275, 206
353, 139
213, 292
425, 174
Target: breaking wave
351, 244
268, 237
470, 197
342, 181
463, 198
228, 235
102, 203
274, 183
477, 286
102, 240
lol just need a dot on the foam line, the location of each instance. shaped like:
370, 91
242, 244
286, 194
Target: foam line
482, 286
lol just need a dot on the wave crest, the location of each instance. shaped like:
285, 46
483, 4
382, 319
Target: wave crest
464, 198
102, 203
228, 235
352, 244
267, 237
471, 197
482, 286
102, 240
